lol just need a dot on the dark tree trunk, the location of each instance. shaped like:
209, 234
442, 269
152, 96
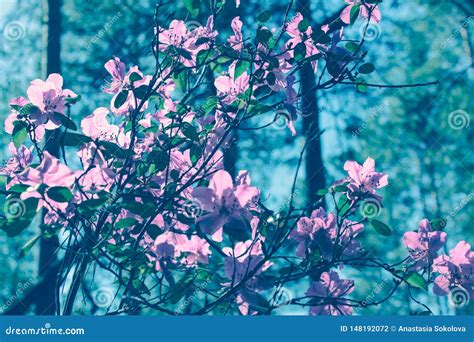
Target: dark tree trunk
315, 173
51, 63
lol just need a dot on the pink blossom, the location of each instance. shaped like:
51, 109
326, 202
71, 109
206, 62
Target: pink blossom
49, 97
364, 178
244, 263
298, 37
331, 288
22, 157
225, 203
455, 269
116, 69
51, 172
97, 126
424, 244
320, 233
236, 40
365, 9
228, 87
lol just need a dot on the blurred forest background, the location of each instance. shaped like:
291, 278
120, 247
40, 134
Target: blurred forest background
410, 132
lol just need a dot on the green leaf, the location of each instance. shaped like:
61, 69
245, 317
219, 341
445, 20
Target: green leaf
343, 205
352, 47
114, 149
380, 227
126, 223
75, 139
189, 131
361, 85
192, 6
322, 192
209, 105
303, 25
241, 67
416, 280
14, 227
264, 16
65, 121
20, 134
121, 98
300, 51
366, 68
28, 109
184, 53
263, 36
140, 92
134, 76
355, 10
72, 100
60, 194
195, 153
159, 158
27, 246
438, 223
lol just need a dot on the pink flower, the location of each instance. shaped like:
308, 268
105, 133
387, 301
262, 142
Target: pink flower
454, 270
51, 172
424, 244
169, 245
228, 87
330, 288
298, 37
188, 43
319, 233
244, 259
49, 97
117, 70
364, 178
364, 9
236, 40
225, 203
97, 126
22, 157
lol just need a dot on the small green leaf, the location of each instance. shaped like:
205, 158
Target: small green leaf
241, 67
60, 194
300, 51
352, 47
27, 246
192, 6
438, 223
343, 205
416, 280
19, 136
134, 76
366, 68
65, 121
114, 149
361, 85
121, 98
303, 25
380, 227
189, 131
263, 36
322, 192
355, 10
126, 223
